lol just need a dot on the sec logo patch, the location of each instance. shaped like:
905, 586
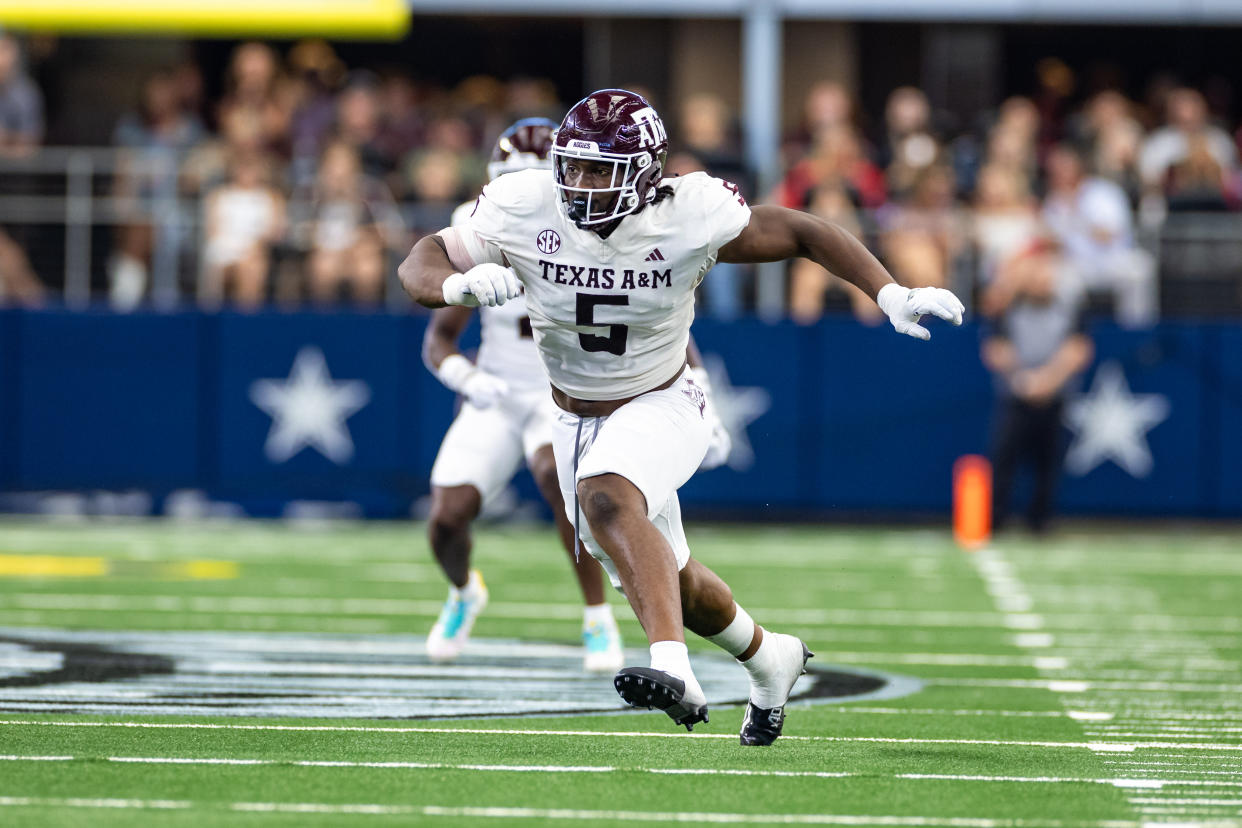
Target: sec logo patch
548, 242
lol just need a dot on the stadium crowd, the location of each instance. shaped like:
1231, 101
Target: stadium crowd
307, 180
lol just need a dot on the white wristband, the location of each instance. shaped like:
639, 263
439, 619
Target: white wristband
454, 371
891, 298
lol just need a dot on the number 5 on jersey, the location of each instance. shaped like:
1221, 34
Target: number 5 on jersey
614, 343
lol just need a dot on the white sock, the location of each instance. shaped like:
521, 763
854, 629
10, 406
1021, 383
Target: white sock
473, 590
598, 614
763, 667
735, 638
673, 658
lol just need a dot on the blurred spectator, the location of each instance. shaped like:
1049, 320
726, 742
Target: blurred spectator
358, 123
836, 156
451, 137
1056, 82
1036, 349
21, 102
1091, 220
21, 131
1186, 132
479, 102
1198, 183
257, 90
1013, 140
709, 139
809, 283
153, 141
1004, 220
403, 125
242, 220
527, 97
827, 105
1009, 148
316, 73
708, 133
241, 134
437, 184
922, 236
188, 81
18, 283
909, 145
352, 221
1111, 137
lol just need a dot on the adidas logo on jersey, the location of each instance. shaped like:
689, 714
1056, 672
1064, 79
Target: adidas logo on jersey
656, 256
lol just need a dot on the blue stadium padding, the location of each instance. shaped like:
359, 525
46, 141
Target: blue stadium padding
1227, 353
8, 404
861, 421
107, 401
362, 351
893, 413
777, 359
1169, 363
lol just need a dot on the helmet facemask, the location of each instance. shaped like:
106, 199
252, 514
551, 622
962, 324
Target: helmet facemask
628, 188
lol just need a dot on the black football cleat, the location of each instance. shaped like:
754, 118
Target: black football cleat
762, 726
656, 689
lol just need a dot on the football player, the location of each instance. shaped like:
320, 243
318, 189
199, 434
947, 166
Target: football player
609, 253
506, 417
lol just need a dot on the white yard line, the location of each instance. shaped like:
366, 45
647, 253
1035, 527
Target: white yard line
565, 814
1107, 747
1127, 783
1082, 686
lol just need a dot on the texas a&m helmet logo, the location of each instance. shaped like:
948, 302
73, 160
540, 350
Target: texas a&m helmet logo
651, 128
548, 242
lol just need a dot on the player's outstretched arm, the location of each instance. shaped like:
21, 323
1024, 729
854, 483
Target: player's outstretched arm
777, 233
431, 280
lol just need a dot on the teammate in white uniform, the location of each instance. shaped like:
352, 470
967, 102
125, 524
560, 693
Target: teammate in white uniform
505, 418
609, 254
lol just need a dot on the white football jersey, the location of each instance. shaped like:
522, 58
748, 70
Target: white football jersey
611, 316
506, 341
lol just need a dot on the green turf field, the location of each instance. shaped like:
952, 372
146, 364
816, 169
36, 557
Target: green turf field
260, 674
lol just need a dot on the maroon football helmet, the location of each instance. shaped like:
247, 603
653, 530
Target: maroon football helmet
525, 145
610, 128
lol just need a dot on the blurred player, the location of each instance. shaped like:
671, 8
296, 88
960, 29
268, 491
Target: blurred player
610, 253
505, 418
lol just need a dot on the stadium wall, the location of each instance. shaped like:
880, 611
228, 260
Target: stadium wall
261, 411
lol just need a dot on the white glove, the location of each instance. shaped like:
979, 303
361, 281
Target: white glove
481, 389
720, 444
487, 284
905, 306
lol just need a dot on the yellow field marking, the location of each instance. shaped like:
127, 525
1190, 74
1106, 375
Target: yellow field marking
202, 570
65, 566
42, 566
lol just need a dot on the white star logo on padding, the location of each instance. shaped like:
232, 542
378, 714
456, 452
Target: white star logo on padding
1111, 423
309, 409
737, 408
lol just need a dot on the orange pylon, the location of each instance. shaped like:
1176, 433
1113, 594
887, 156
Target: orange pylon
972, 501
